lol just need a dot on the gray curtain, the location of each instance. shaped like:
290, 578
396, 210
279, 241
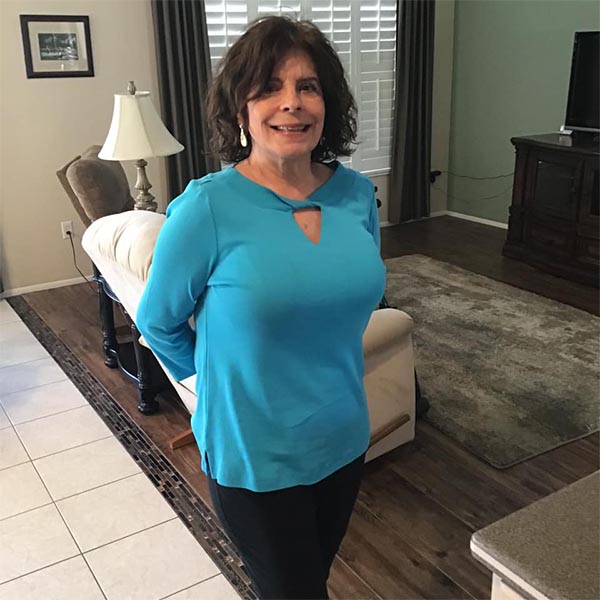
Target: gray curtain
409, 196
183, 61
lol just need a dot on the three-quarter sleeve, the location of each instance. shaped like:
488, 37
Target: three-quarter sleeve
184, 257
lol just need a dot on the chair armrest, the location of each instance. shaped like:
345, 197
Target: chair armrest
126, 238
387, 329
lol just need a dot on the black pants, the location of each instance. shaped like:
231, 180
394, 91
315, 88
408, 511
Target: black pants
288, 538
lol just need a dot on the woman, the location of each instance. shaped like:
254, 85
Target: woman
277, 259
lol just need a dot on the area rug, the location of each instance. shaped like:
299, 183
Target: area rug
509, 374
190, 507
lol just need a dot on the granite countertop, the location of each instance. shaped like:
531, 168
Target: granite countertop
551, 545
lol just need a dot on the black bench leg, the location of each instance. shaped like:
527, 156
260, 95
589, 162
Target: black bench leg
147, 391
110, 345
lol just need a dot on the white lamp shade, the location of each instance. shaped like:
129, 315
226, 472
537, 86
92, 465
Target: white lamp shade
136, 130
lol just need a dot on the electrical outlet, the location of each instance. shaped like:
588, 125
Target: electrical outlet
66, 228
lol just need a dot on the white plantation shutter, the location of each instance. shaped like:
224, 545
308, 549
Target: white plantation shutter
277, 7
374, 73
364, 34
334, 19
225, 21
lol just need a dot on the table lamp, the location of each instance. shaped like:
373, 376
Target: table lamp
137, 132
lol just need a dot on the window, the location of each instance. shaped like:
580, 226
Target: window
364, 34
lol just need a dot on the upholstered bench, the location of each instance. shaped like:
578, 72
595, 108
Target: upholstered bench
121, 247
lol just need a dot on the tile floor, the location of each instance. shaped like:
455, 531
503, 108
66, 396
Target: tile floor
70, 497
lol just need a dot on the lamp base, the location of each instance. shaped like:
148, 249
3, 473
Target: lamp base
144, 200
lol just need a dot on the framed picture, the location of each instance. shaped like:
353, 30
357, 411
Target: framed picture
57, 46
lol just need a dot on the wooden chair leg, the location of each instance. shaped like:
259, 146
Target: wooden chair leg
183, 439
384, 431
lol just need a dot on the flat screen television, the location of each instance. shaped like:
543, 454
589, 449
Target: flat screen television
583, 105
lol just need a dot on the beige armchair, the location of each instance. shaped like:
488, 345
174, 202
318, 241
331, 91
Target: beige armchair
122, 246
96, 187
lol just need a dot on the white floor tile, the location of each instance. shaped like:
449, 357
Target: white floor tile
62, 431
101, 493
217, 588
11, 450
4, 421
7, 314
151, 564
67, 580
80, 469
33, 540
42, 401
114, 511
28, 375
18, 345
13, 329
22, 490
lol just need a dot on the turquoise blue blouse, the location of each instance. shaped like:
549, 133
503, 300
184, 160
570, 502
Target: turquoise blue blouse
277, 345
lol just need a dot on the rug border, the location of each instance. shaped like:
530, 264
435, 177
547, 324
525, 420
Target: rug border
485, 276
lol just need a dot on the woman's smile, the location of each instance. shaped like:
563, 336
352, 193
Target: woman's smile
291, 132
291, 128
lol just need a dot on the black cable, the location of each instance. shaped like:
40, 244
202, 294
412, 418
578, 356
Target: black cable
75, 263
479, 178
439, 189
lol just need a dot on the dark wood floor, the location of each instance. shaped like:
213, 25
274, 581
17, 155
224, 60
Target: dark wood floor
419, 504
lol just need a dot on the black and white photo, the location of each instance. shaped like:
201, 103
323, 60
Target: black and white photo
57, 46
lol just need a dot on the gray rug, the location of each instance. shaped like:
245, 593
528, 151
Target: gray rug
509, 374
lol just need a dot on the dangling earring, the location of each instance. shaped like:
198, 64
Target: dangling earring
243, 138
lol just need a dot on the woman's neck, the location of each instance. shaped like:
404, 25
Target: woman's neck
295, 179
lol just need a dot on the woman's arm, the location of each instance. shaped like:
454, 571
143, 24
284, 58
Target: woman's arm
184, 257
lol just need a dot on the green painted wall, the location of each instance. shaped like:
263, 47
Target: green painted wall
511, 75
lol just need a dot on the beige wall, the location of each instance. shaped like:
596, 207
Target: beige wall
46, 122
442, 96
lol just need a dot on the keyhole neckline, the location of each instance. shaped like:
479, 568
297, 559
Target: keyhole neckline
299, 229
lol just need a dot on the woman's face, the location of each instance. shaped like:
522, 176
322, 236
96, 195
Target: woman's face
287, 121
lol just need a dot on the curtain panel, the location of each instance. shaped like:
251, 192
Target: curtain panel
184, 73
409, 196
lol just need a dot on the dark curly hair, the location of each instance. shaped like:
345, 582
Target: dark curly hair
247, 68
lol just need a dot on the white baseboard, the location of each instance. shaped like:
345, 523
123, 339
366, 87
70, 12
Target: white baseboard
390, 224
43, 286
476, 219
442, 213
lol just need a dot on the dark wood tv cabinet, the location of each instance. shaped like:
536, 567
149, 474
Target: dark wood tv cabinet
554, 218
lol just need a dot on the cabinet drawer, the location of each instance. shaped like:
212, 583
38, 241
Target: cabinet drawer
549, 238
553, 185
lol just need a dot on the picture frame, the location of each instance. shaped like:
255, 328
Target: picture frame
57, 46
